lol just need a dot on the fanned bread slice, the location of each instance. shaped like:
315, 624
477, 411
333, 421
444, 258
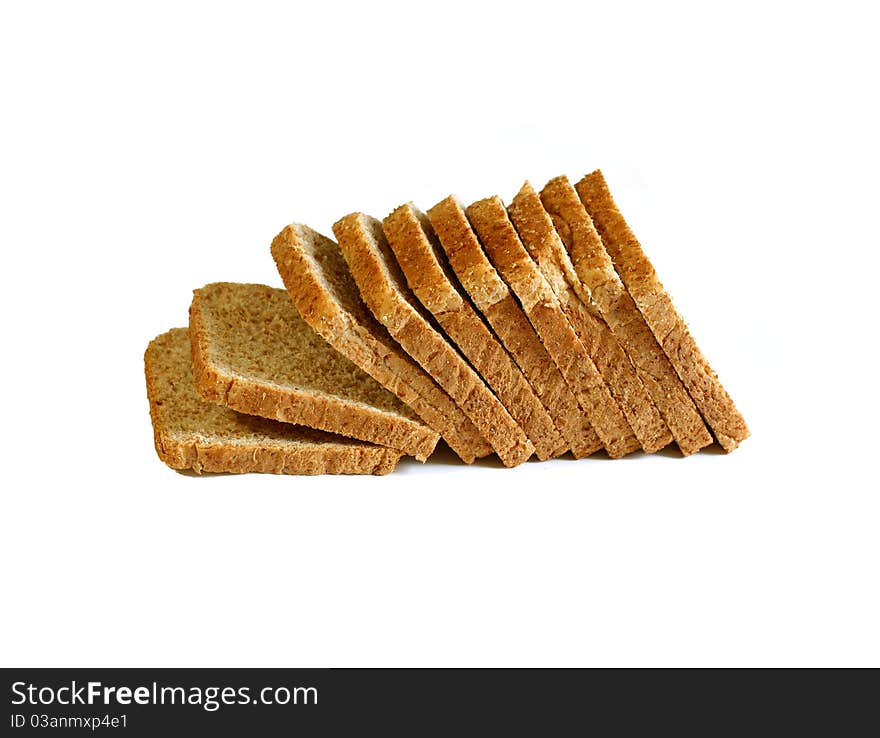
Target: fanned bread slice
638, 275
384, 289
325, 295
585, 317
192, 433
252, 352
415, 244
493, 298
594, 273
507, 253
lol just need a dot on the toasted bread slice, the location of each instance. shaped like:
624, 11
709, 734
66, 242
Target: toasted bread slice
494, 299
641, 281
510, 258
593, 272
326, 297
193, 433
415, 244
253, 353
384, 289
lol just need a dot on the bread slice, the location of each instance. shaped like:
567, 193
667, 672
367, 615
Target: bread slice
638, 275
507, 253
495, 301
384, 289
253, 353
594, 274
415, 244
586, 318
192, 433
326, 297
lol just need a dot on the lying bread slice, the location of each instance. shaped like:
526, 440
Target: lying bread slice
192, 433
507, 253
325, 295
594, 273
253, 353
638, 275
384, 289
585, 317
494, 300
415, 244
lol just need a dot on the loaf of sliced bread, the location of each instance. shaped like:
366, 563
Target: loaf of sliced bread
594, 273
510, 258
428, 274
253, 353
641, 281
495, 301
326, 297
384, 289
193, 433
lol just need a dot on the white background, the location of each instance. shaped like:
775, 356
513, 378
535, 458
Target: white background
148, 149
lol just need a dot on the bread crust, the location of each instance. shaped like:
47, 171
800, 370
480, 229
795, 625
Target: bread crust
317, 278
506, 252
641, 281
335, 413
383, 288
232, 443
573, 253
415, 244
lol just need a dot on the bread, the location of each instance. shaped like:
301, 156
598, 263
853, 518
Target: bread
192, 433
254, 353
594, 273
638, 275
326, 297
498, 305
508, 255
384, 289
423, 263
586, 318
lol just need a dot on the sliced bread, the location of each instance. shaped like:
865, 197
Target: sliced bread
585, 317
326, 297
192, 433
428, 274
638, 275
510, 258
253, 353
594, 272
495, 301
384, 289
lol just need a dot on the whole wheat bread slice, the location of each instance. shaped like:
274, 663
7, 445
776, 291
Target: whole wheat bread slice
192, 433
384, 289
495, 301
587, 320
428, 274
594, 273
638, 275
253, 353
326, 297
507, 253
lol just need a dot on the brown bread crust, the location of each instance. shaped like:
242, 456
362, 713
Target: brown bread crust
638, 275
415, 244
384, 290
593, 272
192, 433
326, 296
493, 298
510, 258
292, 374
